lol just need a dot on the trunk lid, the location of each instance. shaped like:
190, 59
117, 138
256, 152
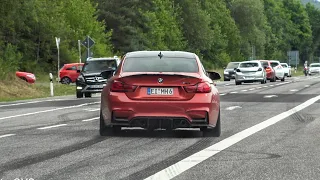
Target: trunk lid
160, 86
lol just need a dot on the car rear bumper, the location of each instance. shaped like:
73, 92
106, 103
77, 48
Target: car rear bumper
198, 112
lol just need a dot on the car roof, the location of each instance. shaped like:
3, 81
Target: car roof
314, 63
182, 54
101, 59
71, 64
256, 61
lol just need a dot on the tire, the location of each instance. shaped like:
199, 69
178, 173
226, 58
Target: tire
87, 95
226, 79
212, 132
79, 94
238, 82
264, 81
107, 130
66, 80
283, 78
273, 79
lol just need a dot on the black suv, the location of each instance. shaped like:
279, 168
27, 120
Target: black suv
90, 79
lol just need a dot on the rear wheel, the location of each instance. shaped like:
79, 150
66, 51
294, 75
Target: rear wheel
212, 132
273, 79
238, 82
107, 130
79, 94
264, 81
88, 95
226, 79
283, 78
65, 80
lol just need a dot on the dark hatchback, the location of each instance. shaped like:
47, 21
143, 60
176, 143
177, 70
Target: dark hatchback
229, 72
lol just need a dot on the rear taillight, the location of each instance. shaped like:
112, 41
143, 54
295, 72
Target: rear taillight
202, 87
268, 69
118, 86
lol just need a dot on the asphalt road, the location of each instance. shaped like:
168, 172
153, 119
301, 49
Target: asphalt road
269, 131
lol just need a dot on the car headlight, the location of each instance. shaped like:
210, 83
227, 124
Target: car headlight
80, 78
31, 76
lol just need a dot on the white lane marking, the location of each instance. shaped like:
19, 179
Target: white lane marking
191, 161
269, 96
31, 102
259, 87
307, 86
222, 94
278, 84
271, 85
233, 108
294, 90
92, 119
6, 135
227, 84
245, 90
252, 89
233, 92
49, 110
92, 110
265, 86
49, 127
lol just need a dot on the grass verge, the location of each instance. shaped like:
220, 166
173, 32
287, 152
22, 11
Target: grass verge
13, 89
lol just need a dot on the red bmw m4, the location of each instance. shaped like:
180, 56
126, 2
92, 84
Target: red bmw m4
166, 90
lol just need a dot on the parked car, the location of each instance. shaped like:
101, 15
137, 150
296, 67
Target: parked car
271, 74
287, 69
229, 71
69, 72
314, 68
90, 80
250, 71
26, 76
278, 69
167, 90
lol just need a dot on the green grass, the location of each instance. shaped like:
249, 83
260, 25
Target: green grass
13, 89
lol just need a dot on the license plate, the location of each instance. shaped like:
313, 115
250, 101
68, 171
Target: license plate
160, 91
248, 77
96, 86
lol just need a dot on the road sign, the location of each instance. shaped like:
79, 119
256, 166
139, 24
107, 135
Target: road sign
88, 42
293, 58
57, 42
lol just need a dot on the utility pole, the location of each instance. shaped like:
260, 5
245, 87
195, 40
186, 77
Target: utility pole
58, 47
79, 46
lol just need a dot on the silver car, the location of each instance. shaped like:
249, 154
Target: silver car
250, 71
314, 68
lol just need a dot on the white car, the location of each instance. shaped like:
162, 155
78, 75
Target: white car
250, 71
314, 68
287, 69
279, 70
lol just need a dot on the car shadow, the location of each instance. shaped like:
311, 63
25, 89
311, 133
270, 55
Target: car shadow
181, 133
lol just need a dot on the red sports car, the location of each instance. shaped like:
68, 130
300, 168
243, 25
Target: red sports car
28, 77
166, 90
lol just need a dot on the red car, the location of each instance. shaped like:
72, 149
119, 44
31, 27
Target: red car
68, 73
271, 74
26, 76
167, 90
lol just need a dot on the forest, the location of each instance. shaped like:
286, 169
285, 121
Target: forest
219, 31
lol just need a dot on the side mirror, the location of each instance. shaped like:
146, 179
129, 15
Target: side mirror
235, 69
265, 67
213, 75
107, 74
260, 69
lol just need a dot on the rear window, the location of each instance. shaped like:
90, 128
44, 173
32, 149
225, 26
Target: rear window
249, 65
284, 65
155, 64
232, 65
314, 65
99, 65
274, 64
